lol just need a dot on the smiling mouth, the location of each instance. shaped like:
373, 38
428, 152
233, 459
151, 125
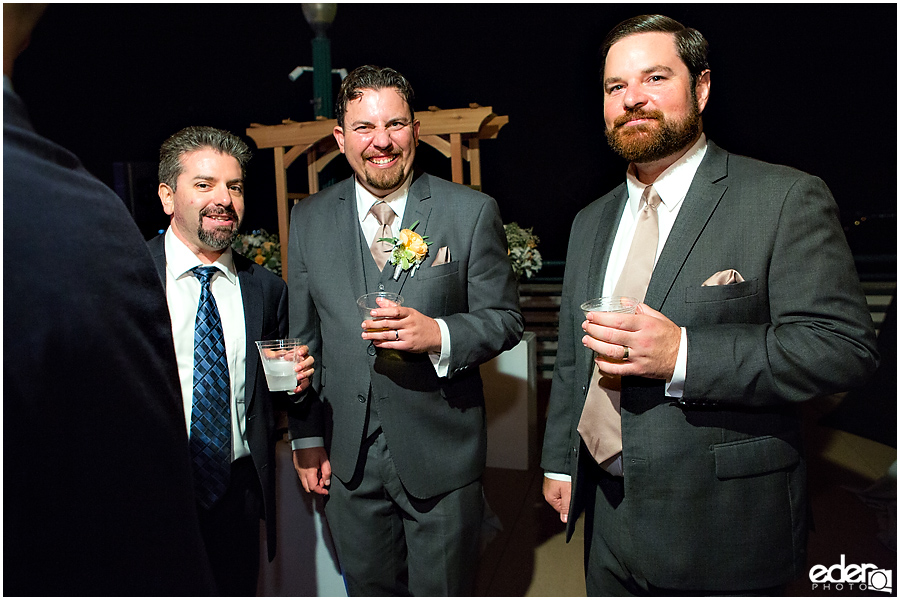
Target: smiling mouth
381, 161
220, 218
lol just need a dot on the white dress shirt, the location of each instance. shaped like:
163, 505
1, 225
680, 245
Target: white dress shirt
183, 296
370, 227
672, 186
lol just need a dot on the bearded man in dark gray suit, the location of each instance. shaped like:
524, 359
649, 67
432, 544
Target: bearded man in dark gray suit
753, 306
397, 415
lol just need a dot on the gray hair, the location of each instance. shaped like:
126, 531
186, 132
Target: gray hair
190, 139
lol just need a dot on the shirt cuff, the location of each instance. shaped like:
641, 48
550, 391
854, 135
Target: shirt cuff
441, 361
675, 387
310, 442
558, 477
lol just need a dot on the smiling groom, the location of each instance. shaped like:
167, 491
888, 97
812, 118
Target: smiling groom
400, 421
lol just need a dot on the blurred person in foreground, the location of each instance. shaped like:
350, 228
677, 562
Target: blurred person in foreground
97, 493
676, 430
399, 421
220, 304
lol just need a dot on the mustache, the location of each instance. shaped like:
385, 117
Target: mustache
631, 115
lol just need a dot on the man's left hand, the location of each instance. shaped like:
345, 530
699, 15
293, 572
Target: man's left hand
651, 340
406, 329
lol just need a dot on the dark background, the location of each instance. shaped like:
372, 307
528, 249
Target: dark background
813, 86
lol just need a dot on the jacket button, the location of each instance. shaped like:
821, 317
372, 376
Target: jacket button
380, 287
362, 399
371, 349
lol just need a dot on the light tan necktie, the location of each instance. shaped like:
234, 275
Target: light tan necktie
381, 251
601, 420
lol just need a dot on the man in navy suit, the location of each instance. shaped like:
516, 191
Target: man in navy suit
201, 174
752, 307
98, 497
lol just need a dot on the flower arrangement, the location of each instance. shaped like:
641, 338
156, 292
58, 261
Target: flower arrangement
523, 252
261, 247
410, 249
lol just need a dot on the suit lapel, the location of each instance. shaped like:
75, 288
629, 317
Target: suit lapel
348, 256
607, 225
157, 248
251, 296
699, 204
418, 208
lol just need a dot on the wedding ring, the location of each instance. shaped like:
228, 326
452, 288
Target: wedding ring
397, 333
626, 353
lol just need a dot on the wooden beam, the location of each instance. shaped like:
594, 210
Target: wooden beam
290, 140
281, 197
311, 171
474, 153
291, 134
456, 162
459, 120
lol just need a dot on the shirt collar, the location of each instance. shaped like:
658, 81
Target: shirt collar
365, 199
180, 260
672, 185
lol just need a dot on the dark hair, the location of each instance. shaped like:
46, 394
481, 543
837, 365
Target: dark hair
369, 77
190, 139
693, 49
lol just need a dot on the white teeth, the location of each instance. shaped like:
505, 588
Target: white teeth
381, 161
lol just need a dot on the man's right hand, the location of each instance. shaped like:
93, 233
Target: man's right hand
314, 469
557, 494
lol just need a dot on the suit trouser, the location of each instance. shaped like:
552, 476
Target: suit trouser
390, 543
606, 574
230, 530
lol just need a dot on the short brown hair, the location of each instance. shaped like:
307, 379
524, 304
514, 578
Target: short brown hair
370, 77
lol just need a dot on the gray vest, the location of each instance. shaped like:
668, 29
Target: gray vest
375, 281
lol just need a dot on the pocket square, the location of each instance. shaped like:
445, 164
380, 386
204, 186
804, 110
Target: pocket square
442, 256
726, 277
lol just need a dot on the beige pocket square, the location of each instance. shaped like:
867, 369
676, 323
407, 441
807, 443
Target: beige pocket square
726, 277
442, 257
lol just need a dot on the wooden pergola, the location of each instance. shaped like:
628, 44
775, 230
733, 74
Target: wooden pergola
454, 133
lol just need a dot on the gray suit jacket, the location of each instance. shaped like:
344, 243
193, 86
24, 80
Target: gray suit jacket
265, 302
434, 427
724, 467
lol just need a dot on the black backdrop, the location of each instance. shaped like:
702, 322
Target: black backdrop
813, 86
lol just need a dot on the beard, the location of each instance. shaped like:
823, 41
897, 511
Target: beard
385, 179
218, 238
646, 143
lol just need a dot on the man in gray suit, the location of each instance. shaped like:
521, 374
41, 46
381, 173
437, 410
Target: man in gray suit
753, 306
400, 421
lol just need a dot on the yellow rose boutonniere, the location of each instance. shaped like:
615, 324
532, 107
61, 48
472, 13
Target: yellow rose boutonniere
410, 249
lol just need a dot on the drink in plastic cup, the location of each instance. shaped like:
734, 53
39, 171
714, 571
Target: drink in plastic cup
616, 304
278, 359
619, 304
367, 303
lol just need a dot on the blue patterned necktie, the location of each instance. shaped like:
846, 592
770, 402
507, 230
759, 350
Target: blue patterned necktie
211, 413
